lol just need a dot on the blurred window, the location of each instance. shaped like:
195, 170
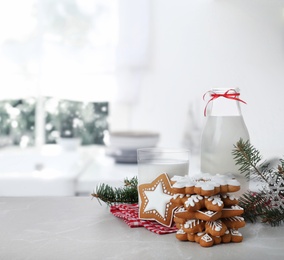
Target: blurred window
61, 52
63, 119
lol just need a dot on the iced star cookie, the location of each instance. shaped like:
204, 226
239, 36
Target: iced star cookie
155, 200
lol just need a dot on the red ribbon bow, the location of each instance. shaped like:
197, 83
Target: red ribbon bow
227, 94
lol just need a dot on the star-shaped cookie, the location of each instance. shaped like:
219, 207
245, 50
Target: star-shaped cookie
155, 200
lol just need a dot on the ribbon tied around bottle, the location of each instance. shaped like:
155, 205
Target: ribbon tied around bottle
230, 94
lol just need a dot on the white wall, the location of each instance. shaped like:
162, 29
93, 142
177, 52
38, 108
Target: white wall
200, 44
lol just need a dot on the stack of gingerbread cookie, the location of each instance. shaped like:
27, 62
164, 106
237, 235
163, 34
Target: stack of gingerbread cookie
207, 211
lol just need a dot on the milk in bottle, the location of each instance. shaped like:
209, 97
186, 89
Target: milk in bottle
223, 129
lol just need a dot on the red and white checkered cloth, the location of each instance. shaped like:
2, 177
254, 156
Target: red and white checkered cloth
129, 213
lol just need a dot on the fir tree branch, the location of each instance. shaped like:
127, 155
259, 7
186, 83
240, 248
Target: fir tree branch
267, 204
248, 158
126, 194
273, 216
252, 203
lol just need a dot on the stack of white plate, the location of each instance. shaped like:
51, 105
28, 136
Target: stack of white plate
123, 145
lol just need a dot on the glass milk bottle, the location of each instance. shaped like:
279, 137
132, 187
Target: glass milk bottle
223, 129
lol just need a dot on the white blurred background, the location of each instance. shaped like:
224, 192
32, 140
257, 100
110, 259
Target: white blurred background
152, 60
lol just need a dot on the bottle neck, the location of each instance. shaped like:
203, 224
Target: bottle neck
224, 102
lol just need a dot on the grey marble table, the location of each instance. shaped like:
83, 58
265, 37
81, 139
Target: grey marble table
80, 228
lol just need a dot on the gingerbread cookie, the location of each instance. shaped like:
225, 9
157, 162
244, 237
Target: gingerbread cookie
205, 184
223, 181
206, 188
155, 200
235, 222
198, 236
189, 187
194, 226
206, 240
230, 200
191, 237
181, 212
177, 199
226, 238
179, 187
215, 228
236, 236
232, 211
181, 215
214, 203
201, 207
181, 235
217, 240
177, 178
194, 202
208, 215
233, 185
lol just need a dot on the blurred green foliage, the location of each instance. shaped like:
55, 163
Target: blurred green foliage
63, 118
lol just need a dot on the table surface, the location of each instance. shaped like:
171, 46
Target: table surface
80, 228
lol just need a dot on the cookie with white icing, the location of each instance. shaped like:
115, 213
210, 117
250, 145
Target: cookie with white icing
215, 228
235, 222
198, 236
179, 187
229, 200
194, 226
233, 185
214, 203
205, 184
194, 202
155, 200
206, 188
177, 199
208, 215
234, 210
189, 187
236, 236
223, 181
206, 240
181, 212
181, 235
